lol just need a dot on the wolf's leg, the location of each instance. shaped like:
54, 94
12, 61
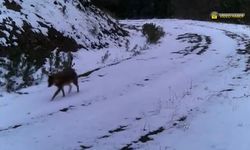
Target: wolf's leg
76, 84
63, 91
70, 87
58, 90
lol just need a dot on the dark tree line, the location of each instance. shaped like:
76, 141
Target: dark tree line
136, 8
188, 9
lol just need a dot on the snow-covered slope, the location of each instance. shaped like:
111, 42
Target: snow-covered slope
87, 25
32, 29
188, 92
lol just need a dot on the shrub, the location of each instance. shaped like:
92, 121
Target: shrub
152, 32
12, 5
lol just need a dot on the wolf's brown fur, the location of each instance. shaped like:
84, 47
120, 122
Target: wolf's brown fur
60, 79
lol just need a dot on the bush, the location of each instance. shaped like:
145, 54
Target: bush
152, 32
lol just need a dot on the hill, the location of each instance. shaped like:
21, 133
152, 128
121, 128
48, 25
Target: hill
38, 37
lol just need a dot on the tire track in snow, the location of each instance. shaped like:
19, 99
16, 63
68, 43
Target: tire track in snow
198, 43
243, 43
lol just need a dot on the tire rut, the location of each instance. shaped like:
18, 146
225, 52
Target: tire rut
199, 43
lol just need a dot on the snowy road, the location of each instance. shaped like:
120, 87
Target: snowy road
188, 92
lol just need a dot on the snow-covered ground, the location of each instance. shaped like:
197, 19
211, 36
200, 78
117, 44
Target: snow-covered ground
188, 92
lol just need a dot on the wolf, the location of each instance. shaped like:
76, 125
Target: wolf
62, 78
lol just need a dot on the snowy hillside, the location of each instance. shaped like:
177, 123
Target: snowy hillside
191, 91
35, 33
87, 25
